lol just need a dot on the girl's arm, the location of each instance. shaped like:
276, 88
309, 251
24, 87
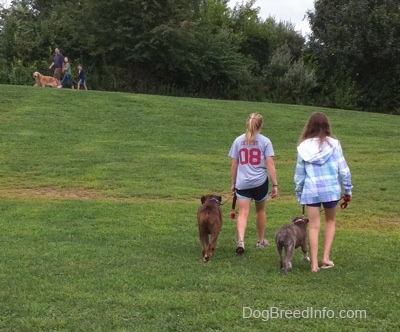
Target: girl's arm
269, 161
234, 167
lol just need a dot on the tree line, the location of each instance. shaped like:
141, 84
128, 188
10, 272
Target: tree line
203, 48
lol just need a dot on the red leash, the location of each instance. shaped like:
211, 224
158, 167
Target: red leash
346, 200
233, 212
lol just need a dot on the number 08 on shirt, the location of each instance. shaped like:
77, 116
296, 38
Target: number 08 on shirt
252, 171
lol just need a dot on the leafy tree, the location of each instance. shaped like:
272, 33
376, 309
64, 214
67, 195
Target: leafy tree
215, 14
30, 30
18, 33
260, 39
289, 80
190, 47
360, 41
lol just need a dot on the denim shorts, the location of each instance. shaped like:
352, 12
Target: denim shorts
326, 205
259, 194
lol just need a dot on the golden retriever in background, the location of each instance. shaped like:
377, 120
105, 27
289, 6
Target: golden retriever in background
41, 80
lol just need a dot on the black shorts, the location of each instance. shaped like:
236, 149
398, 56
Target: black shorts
326, 205
259, 194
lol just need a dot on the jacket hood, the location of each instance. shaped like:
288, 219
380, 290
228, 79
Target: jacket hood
310, 151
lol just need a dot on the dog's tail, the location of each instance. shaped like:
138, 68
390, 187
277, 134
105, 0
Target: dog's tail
280, 243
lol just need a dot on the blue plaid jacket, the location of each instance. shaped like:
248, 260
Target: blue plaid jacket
321, 172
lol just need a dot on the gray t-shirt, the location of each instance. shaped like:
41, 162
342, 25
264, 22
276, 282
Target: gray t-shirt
252, 171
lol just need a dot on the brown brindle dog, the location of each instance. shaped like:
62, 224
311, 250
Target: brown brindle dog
290, 237
209, 218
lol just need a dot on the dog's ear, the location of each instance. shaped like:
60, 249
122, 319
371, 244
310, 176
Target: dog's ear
203, 199
306, 220
219, 198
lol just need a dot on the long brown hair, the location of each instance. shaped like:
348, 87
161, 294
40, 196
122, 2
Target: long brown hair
253, 126
317, 126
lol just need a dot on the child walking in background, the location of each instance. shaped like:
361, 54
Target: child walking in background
321, 174
81, 78
67, 79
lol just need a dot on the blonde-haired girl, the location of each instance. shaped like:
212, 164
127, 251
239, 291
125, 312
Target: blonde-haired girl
252, 169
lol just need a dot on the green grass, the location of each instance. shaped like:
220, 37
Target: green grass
98, 198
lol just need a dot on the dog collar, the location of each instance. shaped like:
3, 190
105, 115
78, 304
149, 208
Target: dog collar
300, 220
212, 199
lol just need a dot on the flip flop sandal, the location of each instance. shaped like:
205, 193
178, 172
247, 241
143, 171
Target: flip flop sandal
327, 266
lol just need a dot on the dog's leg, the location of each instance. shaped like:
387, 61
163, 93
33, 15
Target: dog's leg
303, 246
213, 242
287, 264
207, 255
204, 246
279, 249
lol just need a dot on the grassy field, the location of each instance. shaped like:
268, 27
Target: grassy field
99, 193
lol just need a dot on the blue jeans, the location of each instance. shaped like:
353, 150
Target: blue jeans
67, 79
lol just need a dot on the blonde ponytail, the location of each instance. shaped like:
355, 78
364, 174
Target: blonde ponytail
253, 126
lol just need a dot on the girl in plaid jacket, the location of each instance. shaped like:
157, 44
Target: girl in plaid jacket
320, 175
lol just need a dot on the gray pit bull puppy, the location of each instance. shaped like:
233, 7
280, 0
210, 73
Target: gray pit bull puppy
290, 237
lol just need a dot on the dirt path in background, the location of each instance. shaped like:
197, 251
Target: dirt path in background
51, 193
385, 225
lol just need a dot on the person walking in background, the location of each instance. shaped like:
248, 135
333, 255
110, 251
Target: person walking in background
58, 64
252, 168
321, 173
67, 79
81, 77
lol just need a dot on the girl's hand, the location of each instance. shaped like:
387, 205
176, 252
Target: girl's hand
274, 192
